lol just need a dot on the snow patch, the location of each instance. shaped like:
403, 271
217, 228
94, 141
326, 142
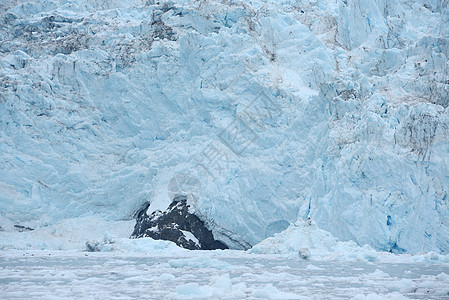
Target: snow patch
191, 237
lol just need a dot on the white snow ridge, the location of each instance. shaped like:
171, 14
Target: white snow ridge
311, 137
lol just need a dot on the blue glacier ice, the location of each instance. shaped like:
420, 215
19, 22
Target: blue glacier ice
261, 112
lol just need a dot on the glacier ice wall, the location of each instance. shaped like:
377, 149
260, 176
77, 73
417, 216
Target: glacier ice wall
261, 111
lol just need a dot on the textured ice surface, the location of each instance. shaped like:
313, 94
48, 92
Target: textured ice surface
206, 275
260, 112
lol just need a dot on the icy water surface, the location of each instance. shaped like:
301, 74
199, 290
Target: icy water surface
227, 274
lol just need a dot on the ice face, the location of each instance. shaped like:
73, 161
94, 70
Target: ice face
259, 112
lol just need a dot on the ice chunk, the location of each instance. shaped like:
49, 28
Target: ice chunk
199, 262
306, 240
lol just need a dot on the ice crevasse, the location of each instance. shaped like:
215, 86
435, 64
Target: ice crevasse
261, 112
